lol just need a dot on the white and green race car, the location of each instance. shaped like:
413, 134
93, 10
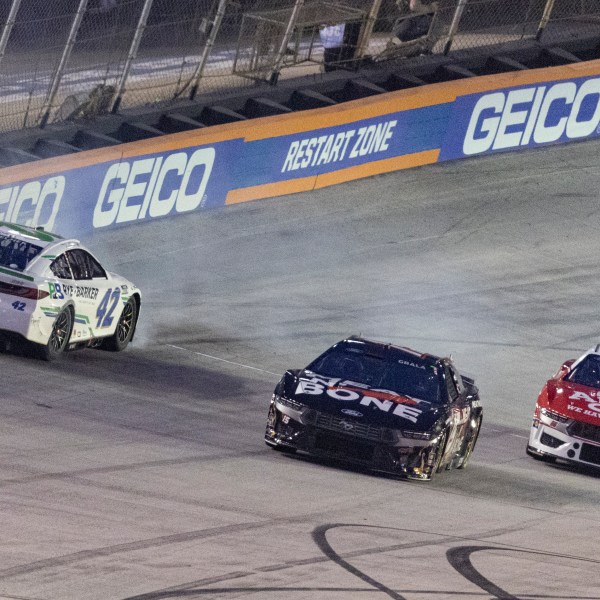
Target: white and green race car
56, 295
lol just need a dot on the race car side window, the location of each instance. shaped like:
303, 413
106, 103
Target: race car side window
60, 267
451, 384
84, 265
95, 269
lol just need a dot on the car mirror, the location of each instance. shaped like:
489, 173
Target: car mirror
565, 368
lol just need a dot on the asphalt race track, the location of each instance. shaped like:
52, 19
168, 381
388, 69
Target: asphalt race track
145, 476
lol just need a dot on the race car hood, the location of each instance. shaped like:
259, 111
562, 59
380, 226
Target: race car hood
357, 401
573, 400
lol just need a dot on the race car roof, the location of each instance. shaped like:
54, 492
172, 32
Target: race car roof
389, 351
26, 249
42, 238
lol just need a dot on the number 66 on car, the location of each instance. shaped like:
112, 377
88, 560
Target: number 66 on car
55, 294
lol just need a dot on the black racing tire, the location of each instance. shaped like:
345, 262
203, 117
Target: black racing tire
437, 466
119, 340
541, 457
59, 337
470, 446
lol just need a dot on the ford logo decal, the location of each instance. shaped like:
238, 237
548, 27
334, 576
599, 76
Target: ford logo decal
352, 413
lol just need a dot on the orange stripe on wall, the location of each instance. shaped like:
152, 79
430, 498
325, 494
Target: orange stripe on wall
269, 190
280, 125
386, 165
305, 184
429, 95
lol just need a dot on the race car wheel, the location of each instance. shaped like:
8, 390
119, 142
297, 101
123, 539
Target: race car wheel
59, 337
436, 465
125, 327
470, 446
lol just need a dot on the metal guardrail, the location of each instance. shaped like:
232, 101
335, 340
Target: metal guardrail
64, 59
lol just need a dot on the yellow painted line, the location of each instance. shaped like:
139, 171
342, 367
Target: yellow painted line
279, 125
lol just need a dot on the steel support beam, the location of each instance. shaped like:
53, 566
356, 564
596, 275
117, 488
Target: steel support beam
210, 42
132, 55
545, 19
64, 59
368, 29
274, 75
7, 29
458, 13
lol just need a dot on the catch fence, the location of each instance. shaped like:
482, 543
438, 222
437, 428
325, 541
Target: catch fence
76, 59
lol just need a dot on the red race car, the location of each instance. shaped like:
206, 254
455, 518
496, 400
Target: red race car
566, 421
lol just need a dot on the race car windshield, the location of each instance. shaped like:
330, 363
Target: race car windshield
587, 372
15, 253
414, 380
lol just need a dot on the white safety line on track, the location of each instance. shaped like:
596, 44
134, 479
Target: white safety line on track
223, 360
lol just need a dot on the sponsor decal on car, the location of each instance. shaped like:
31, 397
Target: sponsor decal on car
60, 291
351, 413
350, 391
592, 400
408, 363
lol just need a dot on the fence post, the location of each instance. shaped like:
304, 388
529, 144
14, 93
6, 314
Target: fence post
210, 42
47, 108
133, 50
274, 76
545, 18
368, 29
10, 21
458, 13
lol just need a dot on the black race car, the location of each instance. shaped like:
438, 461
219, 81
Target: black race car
385, 407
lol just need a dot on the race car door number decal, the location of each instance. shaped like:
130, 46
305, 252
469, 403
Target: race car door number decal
104, 311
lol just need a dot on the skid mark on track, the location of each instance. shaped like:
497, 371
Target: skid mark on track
458, 557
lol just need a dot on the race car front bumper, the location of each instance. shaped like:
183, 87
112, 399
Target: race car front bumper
556, 437
322, 435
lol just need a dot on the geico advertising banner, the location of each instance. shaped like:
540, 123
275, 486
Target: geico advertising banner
330, 149
141, 188
179, 174
123, 191
523, 117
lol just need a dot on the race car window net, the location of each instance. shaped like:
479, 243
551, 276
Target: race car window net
16, 253
587, 372
413, 379
84, 265
60, 267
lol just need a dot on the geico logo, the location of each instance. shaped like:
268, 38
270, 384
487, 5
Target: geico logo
34, 204
153, 186
540, 114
